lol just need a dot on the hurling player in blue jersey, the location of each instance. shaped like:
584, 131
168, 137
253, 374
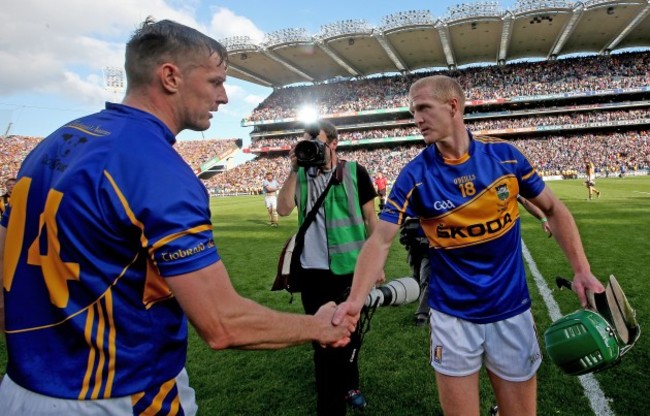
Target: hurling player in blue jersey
464, 191
108, 250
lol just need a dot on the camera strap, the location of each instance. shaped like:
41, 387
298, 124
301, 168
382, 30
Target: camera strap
337, 176
300, 235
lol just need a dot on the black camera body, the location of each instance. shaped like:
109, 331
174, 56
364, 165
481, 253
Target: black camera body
310, 152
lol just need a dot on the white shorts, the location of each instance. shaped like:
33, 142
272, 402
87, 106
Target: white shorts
509, 348
271, 201
18, 401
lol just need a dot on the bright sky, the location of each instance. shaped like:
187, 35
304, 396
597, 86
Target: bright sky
53, 53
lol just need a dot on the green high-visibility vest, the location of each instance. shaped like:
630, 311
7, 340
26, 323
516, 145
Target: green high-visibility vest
345, 228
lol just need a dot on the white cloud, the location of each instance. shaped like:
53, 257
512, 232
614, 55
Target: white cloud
254, 99
56, 50
51, 46
226, 24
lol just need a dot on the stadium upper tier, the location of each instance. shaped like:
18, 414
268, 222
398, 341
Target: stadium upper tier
535, 84
406, 41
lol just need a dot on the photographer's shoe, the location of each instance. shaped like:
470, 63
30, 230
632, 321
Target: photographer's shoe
356, 400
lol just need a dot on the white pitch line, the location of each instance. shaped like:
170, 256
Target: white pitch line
599, 403
639, 192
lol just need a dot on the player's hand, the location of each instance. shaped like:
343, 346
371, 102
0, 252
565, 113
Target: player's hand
584, 281
346, 310
335, 335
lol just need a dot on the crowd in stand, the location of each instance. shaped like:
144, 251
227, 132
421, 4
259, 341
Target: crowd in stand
197, 152
592, 73
13, 150
477, 125
554, 155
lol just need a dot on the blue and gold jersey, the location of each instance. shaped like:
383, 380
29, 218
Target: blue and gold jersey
103, 210
468, 210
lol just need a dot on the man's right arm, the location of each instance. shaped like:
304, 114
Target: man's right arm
225, 319
286, 196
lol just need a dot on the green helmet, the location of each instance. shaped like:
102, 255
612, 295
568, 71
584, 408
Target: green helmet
582, 342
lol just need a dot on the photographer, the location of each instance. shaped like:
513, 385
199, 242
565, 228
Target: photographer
331, 245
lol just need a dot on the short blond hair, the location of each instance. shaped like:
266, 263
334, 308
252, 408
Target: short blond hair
441, 87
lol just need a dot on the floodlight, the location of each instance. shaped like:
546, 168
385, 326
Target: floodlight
307, 114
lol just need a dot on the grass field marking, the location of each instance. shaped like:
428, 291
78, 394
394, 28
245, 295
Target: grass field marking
597, 400
639, 192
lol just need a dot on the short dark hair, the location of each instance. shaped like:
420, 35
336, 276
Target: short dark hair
166, 41
329, 129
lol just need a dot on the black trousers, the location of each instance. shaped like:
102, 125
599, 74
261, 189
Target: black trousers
336, 369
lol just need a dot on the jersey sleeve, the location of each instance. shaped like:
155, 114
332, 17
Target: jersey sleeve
531, 183
170, 206
398, 206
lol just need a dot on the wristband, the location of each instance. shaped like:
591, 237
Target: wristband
543, 220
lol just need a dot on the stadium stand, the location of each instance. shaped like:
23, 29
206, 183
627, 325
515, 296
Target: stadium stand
597, 106
538, 74
556, 76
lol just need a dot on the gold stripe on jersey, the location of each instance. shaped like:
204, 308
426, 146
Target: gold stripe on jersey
90, 319
527, 176
172, 237
112, 349
157, 402
466, 225
143, 239
101, 354
98, 374
15, 231
402, 209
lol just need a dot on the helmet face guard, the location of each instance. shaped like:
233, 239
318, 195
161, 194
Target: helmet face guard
582, 342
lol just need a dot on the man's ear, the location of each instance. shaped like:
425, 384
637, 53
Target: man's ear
454, 106
170, 77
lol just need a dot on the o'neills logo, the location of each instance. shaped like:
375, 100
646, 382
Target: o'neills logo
180, 254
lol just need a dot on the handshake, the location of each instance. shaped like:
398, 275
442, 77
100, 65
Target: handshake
336, 327
345, 316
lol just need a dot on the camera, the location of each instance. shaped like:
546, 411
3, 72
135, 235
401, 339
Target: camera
397, 292
311, 152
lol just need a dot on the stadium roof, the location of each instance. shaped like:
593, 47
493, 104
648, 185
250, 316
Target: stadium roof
415, 39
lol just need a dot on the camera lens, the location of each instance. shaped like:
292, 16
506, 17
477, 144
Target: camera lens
310, 153
306, 150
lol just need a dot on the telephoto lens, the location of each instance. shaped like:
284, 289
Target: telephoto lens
396, 292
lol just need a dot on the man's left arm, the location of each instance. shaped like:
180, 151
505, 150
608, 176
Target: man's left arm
568, 238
